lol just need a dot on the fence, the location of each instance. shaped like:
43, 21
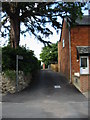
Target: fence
54, 67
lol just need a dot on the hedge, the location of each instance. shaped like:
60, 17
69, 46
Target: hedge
29, 64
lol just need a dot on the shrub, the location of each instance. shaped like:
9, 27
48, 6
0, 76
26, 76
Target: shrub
10, 74
29, 63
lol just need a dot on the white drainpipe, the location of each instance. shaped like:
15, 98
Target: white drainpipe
70, 52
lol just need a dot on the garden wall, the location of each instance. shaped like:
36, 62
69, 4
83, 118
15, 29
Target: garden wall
9, 83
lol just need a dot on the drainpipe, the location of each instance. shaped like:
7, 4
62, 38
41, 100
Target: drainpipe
70, 51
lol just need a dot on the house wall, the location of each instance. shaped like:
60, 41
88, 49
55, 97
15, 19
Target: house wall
59, 56
63, 53
79, 37
85, 83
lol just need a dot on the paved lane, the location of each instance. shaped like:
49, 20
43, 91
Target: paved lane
42, 100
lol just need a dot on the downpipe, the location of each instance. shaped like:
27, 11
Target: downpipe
70, 51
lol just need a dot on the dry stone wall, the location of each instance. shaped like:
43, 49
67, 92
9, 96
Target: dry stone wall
7, 85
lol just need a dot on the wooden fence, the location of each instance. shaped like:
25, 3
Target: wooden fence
54, 67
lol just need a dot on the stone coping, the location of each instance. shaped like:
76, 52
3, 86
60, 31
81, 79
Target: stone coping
82, 75
76, 76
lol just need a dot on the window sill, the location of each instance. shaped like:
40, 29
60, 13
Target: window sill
84, 74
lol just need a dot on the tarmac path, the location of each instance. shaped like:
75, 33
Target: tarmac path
42, 99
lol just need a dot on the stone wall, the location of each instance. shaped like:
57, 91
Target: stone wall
7, 85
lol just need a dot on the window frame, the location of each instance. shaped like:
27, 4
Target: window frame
63, 43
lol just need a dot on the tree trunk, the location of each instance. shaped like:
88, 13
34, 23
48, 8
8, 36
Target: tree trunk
14, 32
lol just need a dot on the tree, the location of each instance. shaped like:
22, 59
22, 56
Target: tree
49, 54
35, 16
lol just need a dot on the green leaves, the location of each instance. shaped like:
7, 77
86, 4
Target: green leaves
28, 64
35, 16
49, 54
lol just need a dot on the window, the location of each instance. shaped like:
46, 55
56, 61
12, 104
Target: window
83, 62
84, 65
63, 43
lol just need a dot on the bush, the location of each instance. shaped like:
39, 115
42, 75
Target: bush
29, 63
11, 75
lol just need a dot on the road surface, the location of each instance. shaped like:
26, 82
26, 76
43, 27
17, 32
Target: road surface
42, 99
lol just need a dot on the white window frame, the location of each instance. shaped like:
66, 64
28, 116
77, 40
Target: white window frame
63, 43
87, 72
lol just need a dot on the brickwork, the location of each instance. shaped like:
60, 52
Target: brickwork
58, 56
79, 37
85, 82
63, 52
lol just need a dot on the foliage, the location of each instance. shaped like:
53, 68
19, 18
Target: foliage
39, 62
10, 74
36, 17
49, 54
28, 64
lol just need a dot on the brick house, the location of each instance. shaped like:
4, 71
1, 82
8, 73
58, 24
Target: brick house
74, 52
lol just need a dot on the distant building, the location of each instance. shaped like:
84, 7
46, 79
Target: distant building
43, 66
74, 52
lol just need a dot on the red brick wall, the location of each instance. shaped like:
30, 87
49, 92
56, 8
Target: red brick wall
58, 56
63, 53
89, 36
79, 37
85, 83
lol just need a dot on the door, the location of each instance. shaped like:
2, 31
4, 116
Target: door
84, 65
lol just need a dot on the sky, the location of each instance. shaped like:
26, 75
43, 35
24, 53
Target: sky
33, 44
36, 46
